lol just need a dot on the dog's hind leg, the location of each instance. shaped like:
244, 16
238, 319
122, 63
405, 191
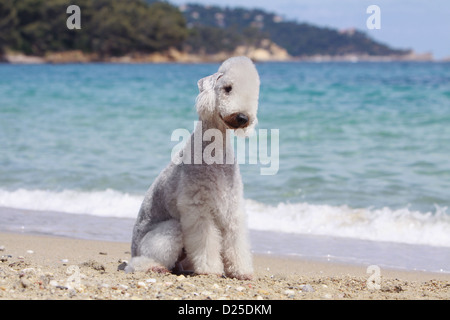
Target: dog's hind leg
159, 249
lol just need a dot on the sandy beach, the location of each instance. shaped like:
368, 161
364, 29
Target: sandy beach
44, 267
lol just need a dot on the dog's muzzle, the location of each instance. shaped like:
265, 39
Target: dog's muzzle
236, 120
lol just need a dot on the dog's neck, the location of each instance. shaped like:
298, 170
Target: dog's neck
213, 124
206, 132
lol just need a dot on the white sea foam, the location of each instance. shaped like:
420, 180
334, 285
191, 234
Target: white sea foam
107, 203
402, 225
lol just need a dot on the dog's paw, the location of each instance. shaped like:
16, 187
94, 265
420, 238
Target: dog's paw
240, 276
158, 269
211, 274
244, 277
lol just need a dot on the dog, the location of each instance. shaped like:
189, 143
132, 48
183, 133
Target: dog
192, 215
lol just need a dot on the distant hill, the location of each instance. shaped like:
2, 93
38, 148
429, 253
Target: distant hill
156, 31
214, 28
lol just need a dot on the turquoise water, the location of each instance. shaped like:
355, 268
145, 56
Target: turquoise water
364, 147
363, 135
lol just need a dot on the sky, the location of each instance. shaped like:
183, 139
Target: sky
421, 25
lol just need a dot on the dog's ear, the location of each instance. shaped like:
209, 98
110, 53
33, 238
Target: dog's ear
205, 101
208, 82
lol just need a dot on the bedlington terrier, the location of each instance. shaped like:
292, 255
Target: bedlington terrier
194, 212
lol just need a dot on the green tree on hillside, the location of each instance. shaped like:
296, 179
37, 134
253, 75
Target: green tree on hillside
108, 27
8, 24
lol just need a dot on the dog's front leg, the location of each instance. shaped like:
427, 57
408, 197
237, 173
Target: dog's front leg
236, 248
202, 240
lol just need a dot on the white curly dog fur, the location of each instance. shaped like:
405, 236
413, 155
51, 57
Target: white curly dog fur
193, 213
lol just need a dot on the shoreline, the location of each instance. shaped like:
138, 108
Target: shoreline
175, 56
322, 248
48, 267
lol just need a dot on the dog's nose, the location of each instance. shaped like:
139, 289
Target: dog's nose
241, 119
236, 120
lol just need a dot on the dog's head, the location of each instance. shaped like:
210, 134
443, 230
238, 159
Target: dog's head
229, 98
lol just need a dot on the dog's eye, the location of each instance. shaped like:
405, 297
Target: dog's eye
227, 89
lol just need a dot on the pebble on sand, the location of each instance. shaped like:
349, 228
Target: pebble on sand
307, 288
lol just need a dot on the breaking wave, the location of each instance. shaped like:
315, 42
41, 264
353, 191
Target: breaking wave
385, 224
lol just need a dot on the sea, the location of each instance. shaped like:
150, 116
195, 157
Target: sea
362, 155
